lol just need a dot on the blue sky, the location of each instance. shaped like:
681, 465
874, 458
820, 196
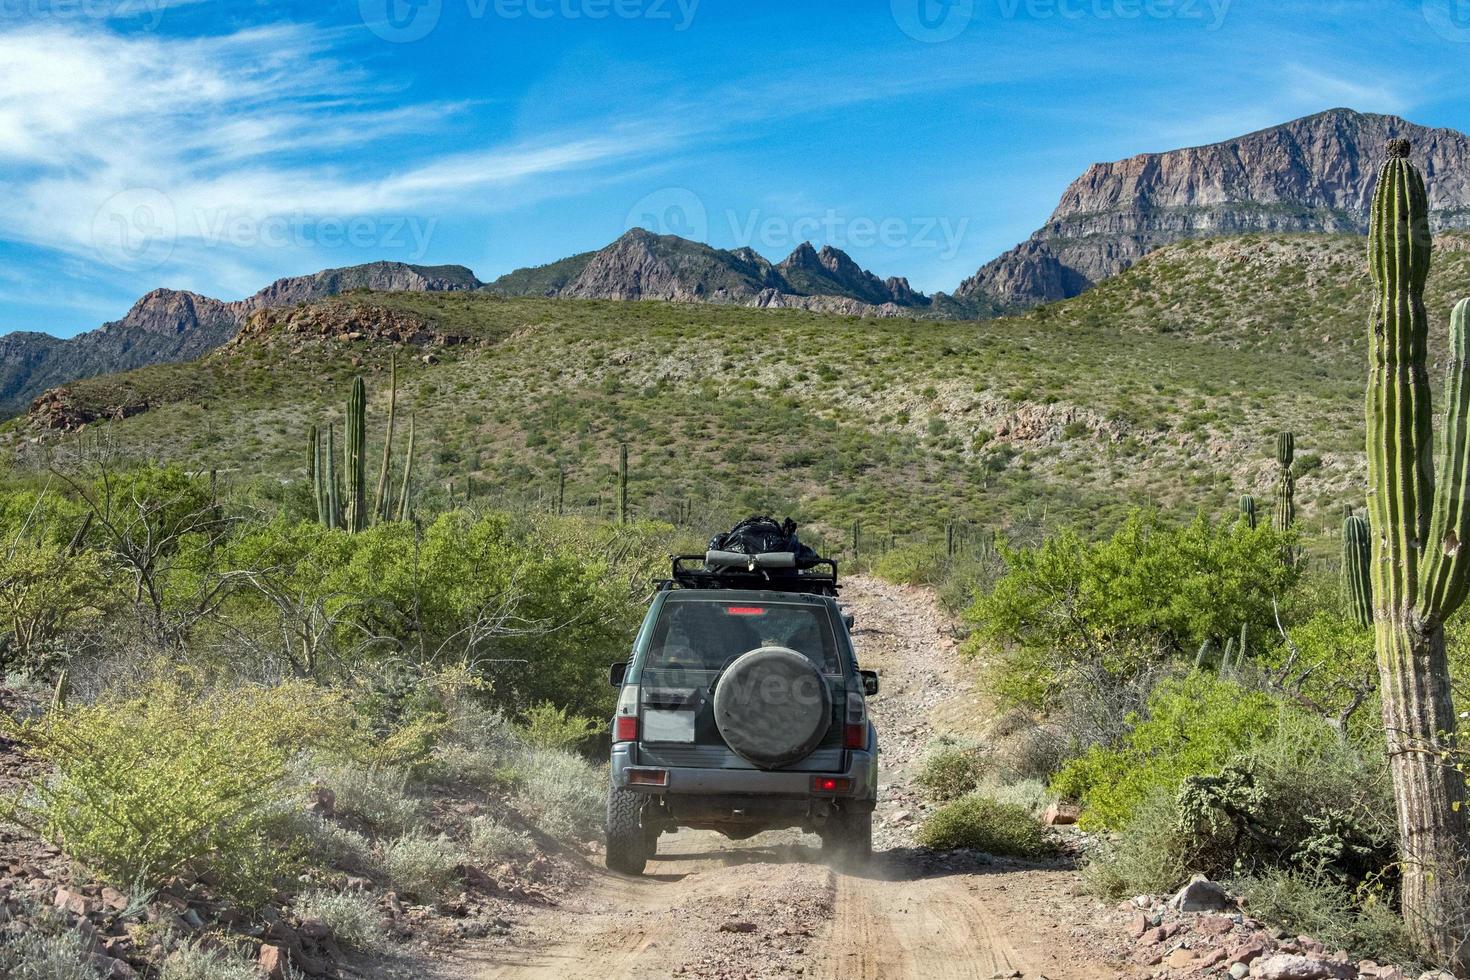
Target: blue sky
215, 145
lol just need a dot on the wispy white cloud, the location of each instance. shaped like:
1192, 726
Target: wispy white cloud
137, 148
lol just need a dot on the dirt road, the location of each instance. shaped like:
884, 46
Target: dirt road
769, 907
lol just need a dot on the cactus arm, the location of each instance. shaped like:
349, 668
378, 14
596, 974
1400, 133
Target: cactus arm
334, 482
1447, 572
356, 435
623, 483
1400, 427
404, 511
1357, 569
314, 473
381, 503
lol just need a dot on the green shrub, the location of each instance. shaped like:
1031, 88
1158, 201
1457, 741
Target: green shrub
1300, 800
1361, 921
983, 824
950, 769
1150, 593
48, 949
564, 795
548, 727
44, 591
171, 782
376, 796
352, 918
199, 962
913, 564
1194, 727
1151, 855
492, 842
423, 867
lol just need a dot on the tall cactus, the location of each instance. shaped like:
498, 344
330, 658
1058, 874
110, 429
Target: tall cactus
623, 483
1420, 571
315, 476
1357, 570
349, 508
1248, 511
356, 457
1286, 481
405, 493
382, 502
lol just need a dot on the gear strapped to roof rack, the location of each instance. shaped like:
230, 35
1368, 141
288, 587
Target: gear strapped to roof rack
772, 572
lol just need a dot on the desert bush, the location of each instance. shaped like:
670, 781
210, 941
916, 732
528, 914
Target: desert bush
195, 961
1194, 727
47, 949
377, 796
492, 842
352, 918
44, 591
1029, 793
951, 768
1361, 921
564, 795
1299, 800
482, 590
913, 564
1151, 593
171, 781
1149, 857
984, 824
548, 727
328, 845
423, 867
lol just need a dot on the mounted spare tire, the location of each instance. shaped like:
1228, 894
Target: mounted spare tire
772, 707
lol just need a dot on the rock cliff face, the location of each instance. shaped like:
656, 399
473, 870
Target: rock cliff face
1312, 175
168, 325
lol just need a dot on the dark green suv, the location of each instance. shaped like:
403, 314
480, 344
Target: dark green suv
742, 710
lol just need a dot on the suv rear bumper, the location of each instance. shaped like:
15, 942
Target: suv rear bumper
861, 769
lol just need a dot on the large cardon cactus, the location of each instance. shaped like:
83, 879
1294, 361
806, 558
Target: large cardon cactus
1420, 567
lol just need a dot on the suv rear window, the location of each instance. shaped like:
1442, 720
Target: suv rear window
706, 634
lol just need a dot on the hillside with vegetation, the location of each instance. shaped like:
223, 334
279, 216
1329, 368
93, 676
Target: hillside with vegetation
348, 588
1161, 387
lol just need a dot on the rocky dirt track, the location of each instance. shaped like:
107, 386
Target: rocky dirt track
769, 907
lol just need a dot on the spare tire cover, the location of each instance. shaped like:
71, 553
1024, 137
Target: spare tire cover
772, 707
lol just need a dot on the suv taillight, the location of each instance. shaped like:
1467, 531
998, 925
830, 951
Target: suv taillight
855, 729
625, 723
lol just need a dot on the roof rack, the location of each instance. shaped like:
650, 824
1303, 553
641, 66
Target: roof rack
697, 572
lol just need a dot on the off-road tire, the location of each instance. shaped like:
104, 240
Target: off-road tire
848, 837
629, 845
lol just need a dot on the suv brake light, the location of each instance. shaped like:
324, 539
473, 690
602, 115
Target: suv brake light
625, 723
855, 729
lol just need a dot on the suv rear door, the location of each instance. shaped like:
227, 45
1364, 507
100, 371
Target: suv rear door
693, 637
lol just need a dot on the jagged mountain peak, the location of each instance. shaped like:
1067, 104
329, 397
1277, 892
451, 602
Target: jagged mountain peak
643, 265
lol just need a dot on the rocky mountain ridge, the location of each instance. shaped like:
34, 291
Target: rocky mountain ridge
1314, 174
170, 325
642, 265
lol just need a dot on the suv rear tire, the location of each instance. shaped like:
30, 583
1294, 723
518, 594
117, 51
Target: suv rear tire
849, 837
629, 845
